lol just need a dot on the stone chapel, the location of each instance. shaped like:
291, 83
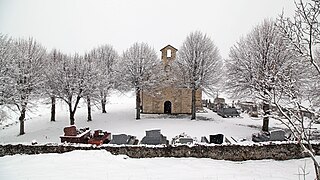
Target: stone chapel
169, 99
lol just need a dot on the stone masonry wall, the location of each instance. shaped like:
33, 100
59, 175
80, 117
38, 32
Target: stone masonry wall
153, 102
226, 152
180, 98
164, 57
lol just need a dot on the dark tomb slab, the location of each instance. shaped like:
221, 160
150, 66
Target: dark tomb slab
216, 139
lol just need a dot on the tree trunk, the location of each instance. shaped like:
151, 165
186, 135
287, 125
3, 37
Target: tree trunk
138, 103
89, 108
72, 120
53, 108
193, 104
266, 110
73, 111
71, 114
103, 104
22, 118
300, 136
317, 170
312, 155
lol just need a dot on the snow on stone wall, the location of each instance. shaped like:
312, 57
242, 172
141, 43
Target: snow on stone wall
226, 152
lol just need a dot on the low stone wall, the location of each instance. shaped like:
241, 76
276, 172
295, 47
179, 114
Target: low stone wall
226, 152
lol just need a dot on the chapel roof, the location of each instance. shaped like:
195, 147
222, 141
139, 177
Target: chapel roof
170, 47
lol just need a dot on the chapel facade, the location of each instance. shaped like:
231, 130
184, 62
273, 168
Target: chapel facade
169, 99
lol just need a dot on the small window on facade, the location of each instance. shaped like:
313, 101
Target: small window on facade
169, 53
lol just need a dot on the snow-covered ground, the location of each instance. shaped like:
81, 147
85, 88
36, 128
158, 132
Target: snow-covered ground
102, 165
121, 119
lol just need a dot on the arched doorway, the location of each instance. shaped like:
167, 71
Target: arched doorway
167, 107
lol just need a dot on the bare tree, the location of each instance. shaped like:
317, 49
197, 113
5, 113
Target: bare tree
105, 59
199, 65
303, 34
51, 81
70, 79
90, 87
6, 69
92, 78
137, 66
70, 82
259, 64
303, 31
29, 62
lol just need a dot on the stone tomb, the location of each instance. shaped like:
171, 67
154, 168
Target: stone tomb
74, 135
182, 138
154, 137
277, 135
123, 139
274, 135
216, 139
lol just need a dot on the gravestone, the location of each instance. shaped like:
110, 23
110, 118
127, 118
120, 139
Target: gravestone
216, 139
122, 139
277, 135
260, 137
204, 139
183, 138
70, 131
274, 135
228, 112
153, 133
154, 137
186, 140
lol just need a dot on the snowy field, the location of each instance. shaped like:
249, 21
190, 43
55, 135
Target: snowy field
102, 165
121, 119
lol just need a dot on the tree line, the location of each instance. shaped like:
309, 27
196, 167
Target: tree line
29, 71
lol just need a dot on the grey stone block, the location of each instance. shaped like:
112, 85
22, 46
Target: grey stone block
154, 137
277, 135
153, 133
122, 139
186, 140
183, 138
274, 135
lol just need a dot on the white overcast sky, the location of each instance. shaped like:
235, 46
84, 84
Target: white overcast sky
79, 25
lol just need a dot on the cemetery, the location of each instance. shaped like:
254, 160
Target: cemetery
209, 138
154, 137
